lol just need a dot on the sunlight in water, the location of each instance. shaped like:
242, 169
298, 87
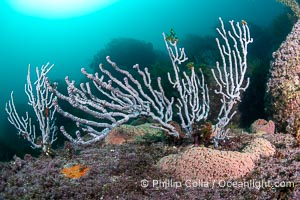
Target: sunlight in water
59, 8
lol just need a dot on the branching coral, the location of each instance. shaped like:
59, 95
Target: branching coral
40, 99
230, 74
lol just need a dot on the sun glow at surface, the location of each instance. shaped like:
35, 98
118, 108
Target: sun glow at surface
58, 8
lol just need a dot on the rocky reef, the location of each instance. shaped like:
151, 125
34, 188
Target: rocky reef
131, 171
283, 87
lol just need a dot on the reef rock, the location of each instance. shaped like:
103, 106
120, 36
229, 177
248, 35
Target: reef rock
260, 147
283, 87
262, 126
128, 133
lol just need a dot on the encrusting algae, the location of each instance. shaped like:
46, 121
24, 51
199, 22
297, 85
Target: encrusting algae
75, 171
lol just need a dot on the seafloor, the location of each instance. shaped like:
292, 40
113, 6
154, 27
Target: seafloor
118, 172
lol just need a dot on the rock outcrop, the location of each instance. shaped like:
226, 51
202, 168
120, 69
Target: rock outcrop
127, 133
283, 87
261, 126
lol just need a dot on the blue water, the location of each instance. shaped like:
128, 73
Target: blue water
71, 43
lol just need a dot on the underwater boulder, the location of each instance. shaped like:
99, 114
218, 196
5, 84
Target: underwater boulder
260, 147
127, 133
283, 87
261, 126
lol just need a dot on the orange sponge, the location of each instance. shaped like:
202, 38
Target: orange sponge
75, 171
